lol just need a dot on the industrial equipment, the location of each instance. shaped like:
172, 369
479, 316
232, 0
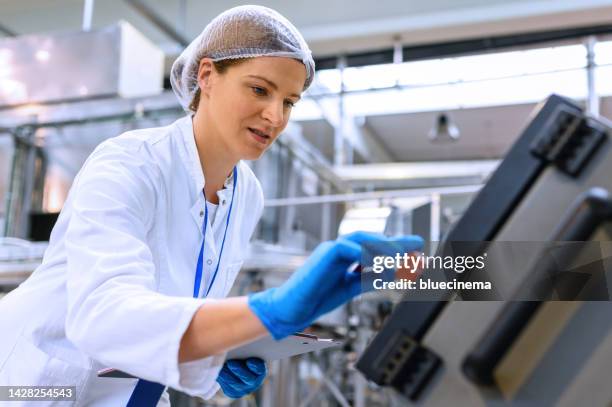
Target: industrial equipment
554, 185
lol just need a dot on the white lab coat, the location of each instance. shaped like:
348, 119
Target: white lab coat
116, 283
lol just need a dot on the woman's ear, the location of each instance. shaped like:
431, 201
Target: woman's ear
206, 72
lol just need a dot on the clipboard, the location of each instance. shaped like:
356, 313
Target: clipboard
269, 349
265, 348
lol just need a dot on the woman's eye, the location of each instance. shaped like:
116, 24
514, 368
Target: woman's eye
258, 91
289, 103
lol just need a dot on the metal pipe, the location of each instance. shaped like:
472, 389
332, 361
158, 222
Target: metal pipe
21, 184
325, 214
374, 195
97, 119
7, 31
436, 215
309, 158
322, 169
158, 21
317, 96
291, 189
181, 21
592, 105
360, 384
301, 154
333, 389
40, 173
340, 148
29, 174
88, 7
9, 196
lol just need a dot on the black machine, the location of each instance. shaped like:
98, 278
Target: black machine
555, 184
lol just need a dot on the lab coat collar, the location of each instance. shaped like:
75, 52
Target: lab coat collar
192, 162
192, 159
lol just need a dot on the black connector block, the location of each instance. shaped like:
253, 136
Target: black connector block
569, 140
403, 364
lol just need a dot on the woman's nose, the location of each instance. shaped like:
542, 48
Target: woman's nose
274, 113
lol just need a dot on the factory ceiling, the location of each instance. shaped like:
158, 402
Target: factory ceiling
343, 26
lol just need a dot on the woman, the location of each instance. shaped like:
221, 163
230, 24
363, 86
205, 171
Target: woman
153, 234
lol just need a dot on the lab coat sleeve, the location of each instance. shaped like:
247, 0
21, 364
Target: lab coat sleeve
114, 313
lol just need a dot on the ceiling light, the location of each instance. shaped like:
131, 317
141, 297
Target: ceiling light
42, 55
444, 130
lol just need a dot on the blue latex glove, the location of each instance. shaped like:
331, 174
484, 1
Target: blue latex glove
239, 377
320, 285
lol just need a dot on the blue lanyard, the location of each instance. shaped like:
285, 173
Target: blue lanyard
198, 276
148, 393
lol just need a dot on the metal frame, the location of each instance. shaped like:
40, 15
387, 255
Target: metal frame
158, 21
462, 47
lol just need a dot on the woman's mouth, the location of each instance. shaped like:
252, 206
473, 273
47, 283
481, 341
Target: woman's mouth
260, 136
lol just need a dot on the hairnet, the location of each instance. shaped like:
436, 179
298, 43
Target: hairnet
240, 32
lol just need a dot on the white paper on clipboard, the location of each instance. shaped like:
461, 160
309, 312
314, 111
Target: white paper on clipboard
265, 348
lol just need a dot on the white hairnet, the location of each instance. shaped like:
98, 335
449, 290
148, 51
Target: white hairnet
240, 32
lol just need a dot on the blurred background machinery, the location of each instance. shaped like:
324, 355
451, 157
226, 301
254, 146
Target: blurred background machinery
413, 107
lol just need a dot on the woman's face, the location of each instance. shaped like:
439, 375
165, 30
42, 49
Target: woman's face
248, 106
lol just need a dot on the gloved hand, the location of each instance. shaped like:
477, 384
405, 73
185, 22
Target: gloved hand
239, 377
320, 285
